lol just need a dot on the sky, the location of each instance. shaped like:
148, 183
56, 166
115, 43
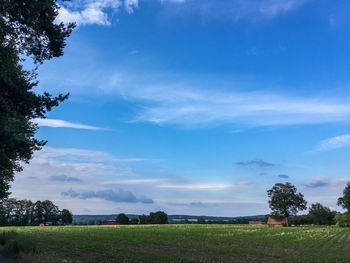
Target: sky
194, 107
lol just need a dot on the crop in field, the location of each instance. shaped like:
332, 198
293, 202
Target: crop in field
187, 243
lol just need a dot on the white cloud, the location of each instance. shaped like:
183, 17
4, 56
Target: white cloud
130, 5
132, 181
275, 7
85, 12
335, 143
244, 182
194, 186
89, 12
54, 170
64, 124
82, 155
166, 100
326, 182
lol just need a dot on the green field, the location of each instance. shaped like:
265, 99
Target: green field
186, 243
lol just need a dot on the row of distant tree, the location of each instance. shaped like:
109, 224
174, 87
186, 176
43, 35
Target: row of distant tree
27, 213
318, 215
159, 217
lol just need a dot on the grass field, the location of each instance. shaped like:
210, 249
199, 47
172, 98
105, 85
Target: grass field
186, 243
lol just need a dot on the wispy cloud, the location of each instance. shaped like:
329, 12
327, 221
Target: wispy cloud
257, 162
133, 181
194, 186
85, 12
244, 182
326, 181
53, 123
179, 100
283, 176
83, 155
262, 174
130, 5
65, 178
334, 143
88, 168
108, 195
235, 10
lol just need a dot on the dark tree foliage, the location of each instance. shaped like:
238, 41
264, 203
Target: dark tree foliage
284, 200
201, 221
321, 215
134, 221
27, 28
66, 217
343, 220
159, 217
344, 201
143, 219
26, 213
302, 220
122, 219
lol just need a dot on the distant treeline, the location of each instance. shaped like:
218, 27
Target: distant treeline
239, 220
172, 219
158, 217
27, 213
318, 215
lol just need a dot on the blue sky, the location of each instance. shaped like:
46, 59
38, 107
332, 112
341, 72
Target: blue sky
195, 107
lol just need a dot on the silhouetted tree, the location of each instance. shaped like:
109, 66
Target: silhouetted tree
302, 220
24, 212
27, 28
134, 221
122, 219
143, 219
66, 217
321, 215
159, 217
285, 201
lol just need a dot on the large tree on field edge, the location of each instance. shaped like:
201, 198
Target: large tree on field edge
27, 29
344, 201
285, 201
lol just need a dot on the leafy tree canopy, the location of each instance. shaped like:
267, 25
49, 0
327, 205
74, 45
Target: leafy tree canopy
159, 217
143, 219
344, 201
284, 200
343, 220
67, 217
26, 213
122, 219
321, 215
27, 28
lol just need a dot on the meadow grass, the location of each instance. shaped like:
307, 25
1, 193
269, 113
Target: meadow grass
184, 243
